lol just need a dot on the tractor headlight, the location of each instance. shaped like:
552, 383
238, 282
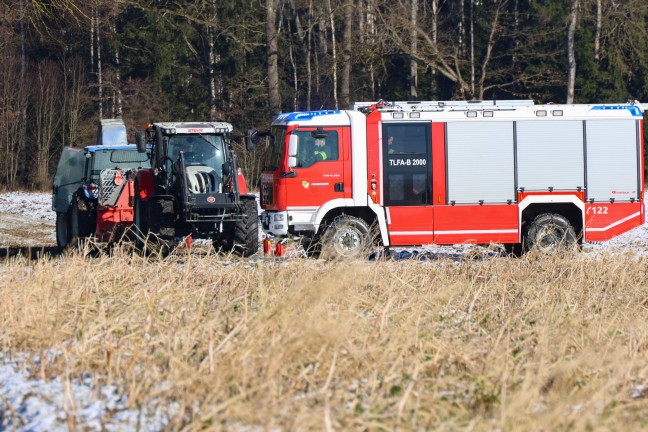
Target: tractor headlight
278, 217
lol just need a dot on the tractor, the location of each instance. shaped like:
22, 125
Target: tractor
93, 187
193, 189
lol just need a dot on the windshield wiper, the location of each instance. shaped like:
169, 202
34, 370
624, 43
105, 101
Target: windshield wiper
207, 141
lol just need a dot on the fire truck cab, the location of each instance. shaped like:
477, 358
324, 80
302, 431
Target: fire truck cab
418, 173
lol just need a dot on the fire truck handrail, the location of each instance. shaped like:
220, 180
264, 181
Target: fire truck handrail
382, 105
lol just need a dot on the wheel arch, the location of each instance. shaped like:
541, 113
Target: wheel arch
372, 214
574, 213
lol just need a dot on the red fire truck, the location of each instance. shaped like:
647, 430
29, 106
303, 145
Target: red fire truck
417, 173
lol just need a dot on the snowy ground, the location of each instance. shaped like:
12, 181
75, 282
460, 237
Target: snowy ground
32, 404
26, 219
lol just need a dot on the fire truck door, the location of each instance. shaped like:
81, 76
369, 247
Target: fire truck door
323, 156
407, 182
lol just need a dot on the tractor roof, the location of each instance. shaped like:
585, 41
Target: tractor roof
95, 148
194, 127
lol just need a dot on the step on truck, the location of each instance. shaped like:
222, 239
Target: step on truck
417, 173
194, 189
93, 187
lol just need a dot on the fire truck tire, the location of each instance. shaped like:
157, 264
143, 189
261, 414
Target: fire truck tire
346, 237
514, 249
246, 231
62, 230
550, 232
312, 247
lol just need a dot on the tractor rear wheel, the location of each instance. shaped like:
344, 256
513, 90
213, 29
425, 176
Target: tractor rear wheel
346, 237
62, 230
550, 232
246, 231
82, 222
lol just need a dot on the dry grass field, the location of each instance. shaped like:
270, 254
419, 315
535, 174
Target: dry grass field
538, 343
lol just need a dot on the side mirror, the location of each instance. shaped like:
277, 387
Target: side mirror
292, 161
293, 145
140, 141
251, 139
227, 169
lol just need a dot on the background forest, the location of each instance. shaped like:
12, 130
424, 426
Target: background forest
66, 63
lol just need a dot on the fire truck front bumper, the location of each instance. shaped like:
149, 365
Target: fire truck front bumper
293, 221
275, 222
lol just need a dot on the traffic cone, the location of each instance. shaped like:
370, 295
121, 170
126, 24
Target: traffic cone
279, 250
267, 246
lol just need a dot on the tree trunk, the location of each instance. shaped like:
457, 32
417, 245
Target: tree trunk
309, 71
346, 58
274, 98
118, 92
597, 37
571, 56
462, 30
294, 77
334, 55
472, 48
99, 71
435, 10
414, 52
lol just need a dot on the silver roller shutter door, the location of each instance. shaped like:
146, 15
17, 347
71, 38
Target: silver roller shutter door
550, 155
480, 162
612, 169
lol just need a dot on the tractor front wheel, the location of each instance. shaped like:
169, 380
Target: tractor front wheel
246, 231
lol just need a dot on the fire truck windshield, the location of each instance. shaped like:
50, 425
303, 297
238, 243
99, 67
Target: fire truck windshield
275, 148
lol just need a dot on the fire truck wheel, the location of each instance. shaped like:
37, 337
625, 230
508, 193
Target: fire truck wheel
346, 237
550, 232
62, 230
312, 246
246, 231
513, 249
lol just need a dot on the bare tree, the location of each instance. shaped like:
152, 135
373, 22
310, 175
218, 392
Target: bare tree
13, 102
597, 36
274, 97
334, 66
414, 51
571, 55
45, 103
443, 55
346, 57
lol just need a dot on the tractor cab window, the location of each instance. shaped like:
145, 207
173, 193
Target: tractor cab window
122, 159
204, 150
204, 156
316, 146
